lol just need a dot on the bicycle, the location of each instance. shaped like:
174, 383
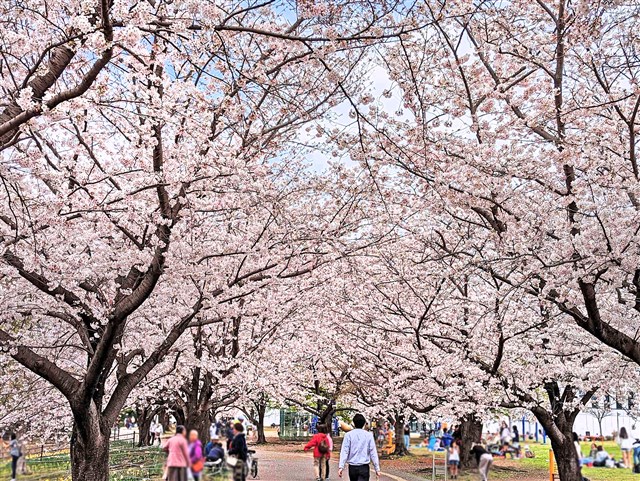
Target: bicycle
252, 464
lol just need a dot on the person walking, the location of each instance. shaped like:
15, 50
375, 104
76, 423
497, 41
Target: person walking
152, 433
196, 456
229, 434
14, 452
238, 449
358, 450
178, 461
213, 430
321, 452
484, 460
159, 432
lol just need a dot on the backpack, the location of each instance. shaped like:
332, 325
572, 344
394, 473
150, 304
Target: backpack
323, 447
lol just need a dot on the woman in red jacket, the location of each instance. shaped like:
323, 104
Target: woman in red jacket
320, 444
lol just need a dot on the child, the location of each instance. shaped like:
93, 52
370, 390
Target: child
454, 459
320, 445
528, 453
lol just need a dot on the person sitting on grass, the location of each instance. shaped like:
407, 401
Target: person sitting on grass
513, 451
528, 453
432, 441
601, 457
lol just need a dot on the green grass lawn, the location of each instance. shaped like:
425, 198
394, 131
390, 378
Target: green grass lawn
541, 463
127, 463
529, 469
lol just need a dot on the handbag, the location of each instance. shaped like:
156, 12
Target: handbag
198, 466
232, 461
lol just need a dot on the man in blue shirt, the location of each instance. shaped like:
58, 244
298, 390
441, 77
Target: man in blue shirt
358, 450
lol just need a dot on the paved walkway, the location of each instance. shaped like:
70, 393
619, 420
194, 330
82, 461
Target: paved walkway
283, 466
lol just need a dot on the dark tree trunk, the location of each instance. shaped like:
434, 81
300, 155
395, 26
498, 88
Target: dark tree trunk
566, 458
326, 417
471, 433
145, 417
401, 449
559, 428
199, 420
181, 418
163, 418
262, 439
89, 449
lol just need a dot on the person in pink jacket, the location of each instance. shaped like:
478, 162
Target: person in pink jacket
178, 461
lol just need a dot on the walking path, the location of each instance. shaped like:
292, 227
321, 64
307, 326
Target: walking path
288, 466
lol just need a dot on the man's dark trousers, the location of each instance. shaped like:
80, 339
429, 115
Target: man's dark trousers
359, 473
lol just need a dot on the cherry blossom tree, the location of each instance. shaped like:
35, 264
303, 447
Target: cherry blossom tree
515, 133
474, 345
142, 147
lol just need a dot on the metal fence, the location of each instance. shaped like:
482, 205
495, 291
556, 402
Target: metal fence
41, 450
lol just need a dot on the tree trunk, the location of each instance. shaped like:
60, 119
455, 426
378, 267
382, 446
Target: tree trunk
200, 421
145, 417
471, 433
560, 431
163, 418
566, 457
262, 439
401, 449
180, 416
89, 449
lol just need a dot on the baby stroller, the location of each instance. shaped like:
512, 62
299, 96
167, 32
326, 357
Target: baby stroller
636, 457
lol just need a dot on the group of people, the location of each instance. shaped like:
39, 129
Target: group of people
384, 433
358, 451
156, 430
598, 457
186, 456
507, 442
130, 422
441, 440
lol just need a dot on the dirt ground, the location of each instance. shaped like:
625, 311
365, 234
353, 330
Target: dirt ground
415, 467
